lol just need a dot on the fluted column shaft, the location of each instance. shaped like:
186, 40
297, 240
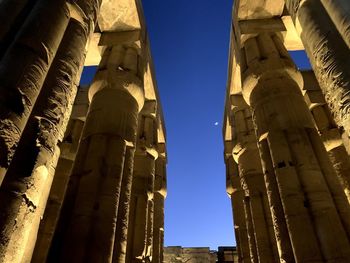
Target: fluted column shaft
253, 251
35, 46
339, 12
44, 131
89, 214
140, 211
236, 193
246, 154
14, 12
327, 51
313, 202
328, 130
121, 235
159, 196
58, 190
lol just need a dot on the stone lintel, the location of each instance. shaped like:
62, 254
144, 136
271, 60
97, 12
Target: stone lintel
283, 25
258, 9
119, 37
253, 26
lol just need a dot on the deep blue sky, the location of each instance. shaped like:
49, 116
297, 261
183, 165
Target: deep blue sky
189, 42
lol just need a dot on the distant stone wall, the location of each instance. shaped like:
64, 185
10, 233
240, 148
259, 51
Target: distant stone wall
190, 255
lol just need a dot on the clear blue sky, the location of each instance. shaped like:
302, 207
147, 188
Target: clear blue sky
189, 41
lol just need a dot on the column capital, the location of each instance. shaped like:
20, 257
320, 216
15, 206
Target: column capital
265, 58
120, 70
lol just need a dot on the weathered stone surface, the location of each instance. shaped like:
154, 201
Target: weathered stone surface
284, 125
328, 54
190, 255
118, 15
328, 130
35, 46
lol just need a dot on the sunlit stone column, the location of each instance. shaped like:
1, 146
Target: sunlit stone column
89, 213
68, 148
35, 47
327, 51
246, 154
36, 151
250, 230
339, 12
313, 202
328, 130
140, 235
236, 193
160, 192
121, 234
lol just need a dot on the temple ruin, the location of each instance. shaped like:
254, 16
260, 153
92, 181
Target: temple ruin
286, 131
82, 169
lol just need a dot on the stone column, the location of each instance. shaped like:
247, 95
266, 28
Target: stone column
49, 221
250, 230
339, 12
35, 46
328, 54
236, 193
313, 204
160, 192
68, 148
139, 208
14, 12
140, 237
89, 213
121, 235
246, 154
37, 147
328, 130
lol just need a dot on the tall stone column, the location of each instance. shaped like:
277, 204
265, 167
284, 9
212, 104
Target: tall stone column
327, 51
328, 130
246, 154
37, 147
140, 236
160, 192
253, 251
141, 196
87, 225
68, 148
35, 46
339, 12
236, 193
14, 12
313, 203
121, 235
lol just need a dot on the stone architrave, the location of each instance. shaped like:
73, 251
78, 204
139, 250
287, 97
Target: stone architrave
236, 193
89, 214
314, 204
35, 46
327, 51
246, 154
